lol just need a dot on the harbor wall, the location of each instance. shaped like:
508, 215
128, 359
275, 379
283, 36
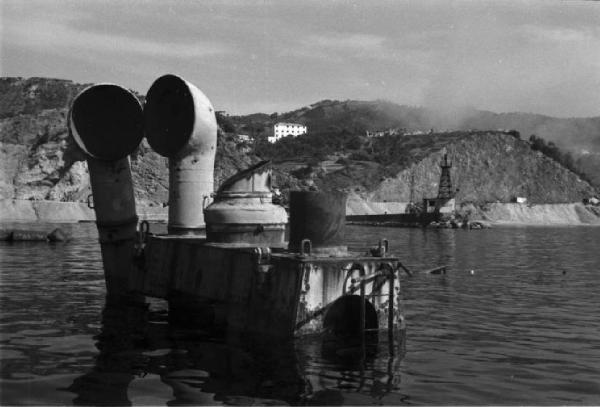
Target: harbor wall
542, 214
496, 213
358, 206
15, 210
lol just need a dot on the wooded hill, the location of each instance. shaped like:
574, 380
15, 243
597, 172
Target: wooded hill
338, 126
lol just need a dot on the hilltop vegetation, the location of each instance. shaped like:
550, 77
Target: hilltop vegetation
31, 96
337, 130
327, 116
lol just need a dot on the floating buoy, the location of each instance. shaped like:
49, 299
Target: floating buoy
472, 272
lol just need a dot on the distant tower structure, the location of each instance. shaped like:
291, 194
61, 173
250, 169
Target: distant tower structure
445, 191
444, 203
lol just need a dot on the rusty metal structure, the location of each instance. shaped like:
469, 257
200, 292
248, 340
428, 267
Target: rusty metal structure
445, 190
225, 264
243, 210
180, 124
106, 122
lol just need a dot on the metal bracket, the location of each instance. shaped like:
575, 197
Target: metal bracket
262, 258
384, 247
303, 245
90, 201
144, 231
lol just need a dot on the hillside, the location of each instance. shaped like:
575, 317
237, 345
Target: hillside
570, 133
578, 136
487, 167
38, 161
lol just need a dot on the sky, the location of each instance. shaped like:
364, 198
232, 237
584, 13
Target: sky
275, 56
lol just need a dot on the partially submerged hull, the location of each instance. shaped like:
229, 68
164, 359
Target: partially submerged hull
223, 264
269, 292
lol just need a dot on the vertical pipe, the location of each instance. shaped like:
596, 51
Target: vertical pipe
180, 124
106, 123
116, 220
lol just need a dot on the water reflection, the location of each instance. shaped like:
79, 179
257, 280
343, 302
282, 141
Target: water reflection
347, 368
521, 330
137, 344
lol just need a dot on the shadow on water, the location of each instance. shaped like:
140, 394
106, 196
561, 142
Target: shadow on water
137, 345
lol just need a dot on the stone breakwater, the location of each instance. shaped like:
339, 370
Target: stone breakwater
496, 213
15, 210
541, 214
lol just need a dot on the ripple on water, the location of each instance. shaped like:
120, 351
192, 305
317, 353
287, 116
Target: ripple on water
521, 329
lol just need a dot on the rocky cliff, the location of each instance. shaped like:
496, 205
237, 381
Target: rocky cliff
486, 167
39, 161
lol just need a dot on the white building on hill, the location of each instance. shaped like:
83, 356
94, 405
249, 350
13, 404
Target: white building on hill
281, 130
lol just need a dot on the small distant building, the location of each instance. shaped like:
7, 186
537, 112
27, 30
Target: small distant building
376, 133
244, 138
386, 132
281, 130
591, 201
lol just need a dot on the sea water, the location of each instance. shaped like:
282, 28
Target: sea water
515, 320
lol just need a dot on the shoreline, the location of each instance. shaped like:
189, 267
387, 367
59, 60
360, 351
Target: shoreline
496, 214
25, 211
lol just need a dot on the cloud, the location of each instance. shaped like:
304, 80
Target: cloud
502, 56
558, 35
58, 36
346, 42
339, 45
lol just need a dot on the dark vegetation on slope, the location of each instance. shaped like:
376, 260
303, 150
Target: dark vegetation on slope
338, 128
562, 157
573, 134
589, 164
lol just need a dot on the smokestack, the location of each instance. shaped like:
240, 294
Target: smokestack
106, 122
180, 124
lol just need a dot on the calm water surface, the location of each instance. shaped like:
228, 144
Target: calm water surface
515, 321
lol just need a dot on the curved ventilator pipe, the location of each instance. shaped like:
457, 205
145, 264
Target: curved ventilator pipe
106, 122
180, 124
